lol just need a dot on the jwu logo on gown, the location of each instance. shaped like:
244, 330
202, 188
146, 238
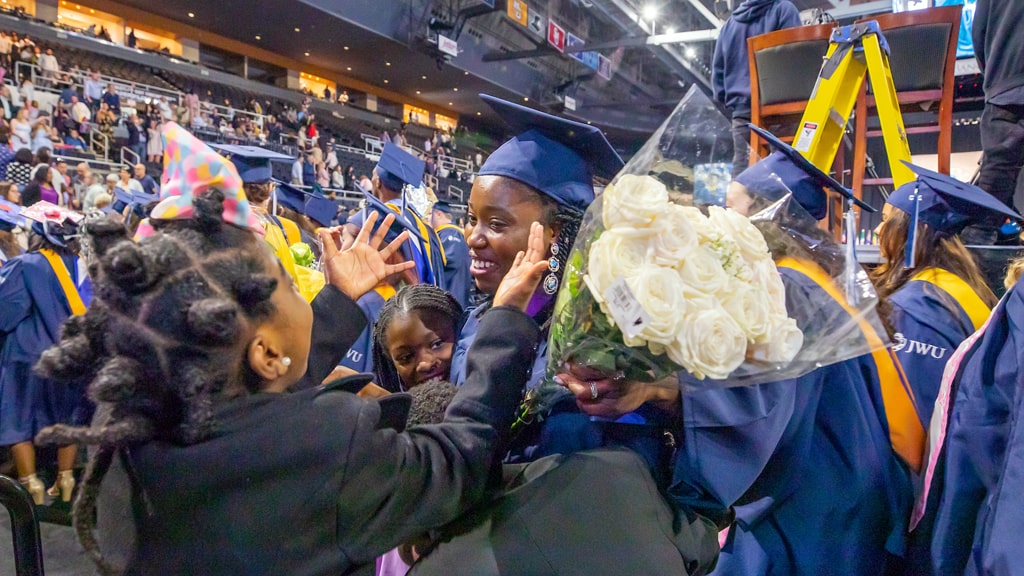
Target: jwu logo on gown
915, 347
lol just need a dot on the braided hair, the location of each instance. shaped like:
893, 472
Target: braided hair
419, 297
154, 347
568, 220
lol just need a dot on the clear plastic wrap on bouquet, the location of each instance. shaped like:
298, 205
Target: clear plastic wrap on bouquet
665, 281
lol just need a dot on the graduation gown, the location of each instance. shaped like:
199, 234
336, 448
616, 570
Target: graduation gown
808, 463
930, 318
34, 307
979, 519
289, 505
456, 267
425, 250
360, 356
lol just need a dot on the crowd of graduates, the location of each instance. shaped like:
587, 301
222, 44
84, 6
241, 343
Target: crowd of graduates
260, 396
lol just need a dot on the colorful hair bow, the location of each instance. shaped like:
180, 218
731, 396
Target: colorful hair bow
191, 168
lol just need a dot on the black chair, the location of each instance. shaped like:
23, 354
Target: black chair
28, 549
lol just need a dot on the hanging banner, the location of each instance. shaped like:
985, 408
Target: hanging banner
591, 59
574, 40
556, 36
604, 67
519, 11
570, 103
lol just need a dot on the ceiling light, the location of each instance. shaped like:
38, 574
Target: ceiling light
307, 53
191, 15
345, 47
258, 37
455, 89
670, 30
296, 29
77, 7
387, 63
691, 53
450, 104
349, 68
650, 12
417, 91
526, 99
477, 113
91, 11
386, 81
466, 73
423, 77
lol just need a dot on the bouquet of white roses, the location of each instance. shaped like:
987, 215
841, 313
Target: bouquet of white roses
655, 286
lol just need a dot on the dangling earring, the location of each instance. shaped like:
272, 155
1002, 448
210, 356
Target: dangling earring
551, 280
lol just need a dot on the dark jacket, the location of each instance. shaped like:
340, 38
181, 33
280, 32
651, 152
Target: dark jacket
999, 44
310, 483
731, 67
134, 133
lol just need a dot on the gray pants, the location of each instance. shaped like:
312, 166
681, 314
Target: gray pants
740, 144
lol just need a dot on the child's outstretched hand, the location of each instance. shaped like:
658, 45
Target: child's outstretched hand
357, 267
519, 284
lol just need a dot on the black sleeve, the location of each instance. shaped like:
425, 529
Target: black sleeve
337, 323
395, 486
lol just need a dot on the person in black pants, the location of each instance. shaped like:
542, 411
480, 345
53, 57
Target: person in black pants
999, 47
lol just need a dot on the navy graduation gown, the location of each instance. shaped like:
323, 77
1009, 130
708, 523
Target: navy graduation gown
33, 309
929, 324
980, 519
456, 268
428, 254
808, 464
360, 356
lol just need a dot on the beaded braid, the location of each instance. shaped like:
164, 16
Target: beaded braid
419, 297
569, 220
154, 347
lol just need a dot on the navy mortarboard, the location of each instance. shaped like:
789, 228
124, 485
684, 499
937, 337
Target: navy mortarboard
803, 179
555, 156
252, 162
10, 216
944, 203
140, 202
397, 168
319, 208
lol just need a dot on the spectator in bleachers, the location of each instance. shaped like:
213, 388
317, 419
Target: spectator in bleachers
62, 183
131, 41
93, 190
337, 177
365, 182
112, 100
21, 130
309, 172
19, 170
92, 88
27, 90
103, 34
67, 91
40, 187
343, 98
6, 106
149, 185
5, 50
192, 103
323, 177
137, 136
80, 112
33, 111
297, 169
78, 179
155, 147
6, 154
127, 183
41, 133
74, 140
49, 65
106, 119
164, 108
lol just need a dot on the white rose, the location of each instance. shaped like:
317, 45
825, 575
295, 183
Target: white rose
660, 292
706, 232
710, 344
767, 275
613, 255
749, 307
740, 230
702, 272
782, 342
674, 237
633, 202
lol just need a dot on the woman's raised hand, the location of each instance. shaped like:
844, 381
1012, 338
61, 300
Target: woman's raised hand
359, 266
519, 284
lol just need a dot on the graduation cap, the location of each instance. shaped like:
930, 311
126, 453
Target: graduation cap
55, 223
10, 215
317, 207
443, 206
396, 168
555, 156
252, 162
138, 201
805, 180
382, 209
944, 203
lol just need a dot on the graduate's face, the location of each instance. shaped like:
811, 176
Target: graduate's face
285, 335
886, 214
501, 211
420, 343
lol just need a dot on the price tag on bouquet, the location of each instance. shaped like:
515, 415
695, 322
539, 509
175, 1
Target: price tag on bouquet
625, 308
